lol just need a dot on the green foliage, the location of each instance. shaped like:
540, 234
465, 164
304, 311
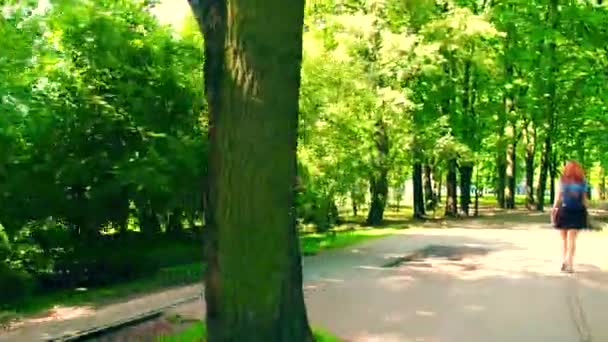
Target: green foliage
111, 117
452, 80
102, 124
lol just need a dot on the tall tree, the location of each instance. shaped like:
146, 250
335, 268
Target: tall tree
252, 53
550, 102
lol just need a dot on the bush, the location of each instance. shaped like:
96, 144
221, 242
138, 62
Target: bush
15, 285
113, 259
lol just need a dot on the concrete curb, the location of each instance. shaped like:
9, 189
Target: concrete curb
138, 318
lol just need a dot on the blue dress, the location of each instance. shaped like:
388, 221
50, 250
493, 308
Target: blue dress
572, 217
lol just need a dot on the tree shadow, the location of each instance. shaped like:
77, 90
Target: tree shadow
461, 289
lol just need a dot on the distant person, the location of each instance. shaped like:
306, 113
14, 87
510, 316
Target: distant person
569, 213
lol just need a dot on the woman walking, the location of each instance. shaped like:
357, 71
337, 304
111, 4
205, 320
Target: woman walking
569, 214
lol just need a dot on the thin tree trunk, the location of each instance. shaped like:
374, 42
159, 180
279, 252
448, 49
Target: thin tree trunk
418, 195
451, 204
253, 49
501, 169
353, 200
545, 161
553, 174
602, 184
428, 188
511, 175
477, 191
530, 141
466, 174
439, 186
552, 17
175, 224
501, 157
149, 223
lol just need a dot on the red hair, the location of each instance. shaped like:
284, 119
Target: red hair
573, 173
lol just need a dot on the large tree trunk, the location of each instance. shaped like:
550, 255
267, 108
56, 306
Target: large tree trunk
530, 141
429, 195
466, 174
378, 189
451, 204
378, 185
418, 196
253, 285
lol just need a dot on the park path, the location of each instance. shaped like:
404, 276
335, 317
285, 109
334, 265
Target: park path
490, 279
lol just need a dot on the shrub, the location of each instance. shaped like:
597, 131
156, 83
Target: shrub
15, 285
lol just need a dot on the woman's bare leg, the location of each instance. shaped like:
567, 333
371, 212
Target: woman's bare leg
564, 235
572, 234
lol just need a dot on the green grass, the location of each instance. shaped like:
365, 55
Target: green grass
197, 332
490, 200
312, 244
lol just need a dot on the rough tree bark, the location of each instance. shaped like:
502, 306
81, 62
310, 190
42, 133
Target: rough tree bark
253, 285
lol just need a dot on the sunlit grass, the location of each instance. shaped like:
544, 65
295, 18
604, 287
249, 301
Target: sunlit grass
490, 200
198, 331
314, 243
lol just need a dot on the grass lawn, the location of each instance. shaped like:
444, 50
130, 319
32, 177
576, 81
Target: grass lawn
490, 200
197, 332
314, 243
173, 276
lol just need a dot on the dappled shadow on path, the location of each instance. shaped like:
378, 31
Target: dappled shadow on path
465, 289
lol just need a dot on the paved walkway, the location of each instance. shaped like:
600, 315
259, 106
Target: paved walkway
465, 284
